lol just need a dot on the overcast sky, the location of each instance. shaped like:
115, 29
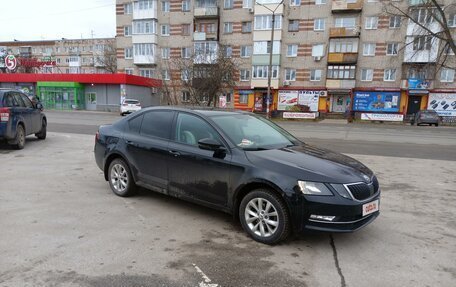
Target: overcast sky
55, 19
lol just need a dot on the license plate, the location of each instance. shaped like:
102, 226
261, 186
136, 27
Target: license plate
370, 207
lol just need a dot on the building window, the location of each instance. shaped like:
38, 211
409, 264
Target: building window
144, 27
315, 75
422, 43
264, 22
452, 20
128, 8
129, 71
423, 15
185, 29
185, 96
247, 3
165, 30
246, 27
165, 6
128, 53
319, 24
318, 50
371, 23
147, 73
264, 47
165, 53
144, 4
290, 74
395, 22
127, 31
228, 27
446, 75
185, 52
295, 2
245, 75
320, 2
205, 27
261, 72
228, 51
244, 99
341, 72
165, 75
389, 75
292, 50
185, 5
143, 49
246, 51
367, 75
392, 49
343, 46
345, 22
185, 75
369, 49
227, 4
293, 25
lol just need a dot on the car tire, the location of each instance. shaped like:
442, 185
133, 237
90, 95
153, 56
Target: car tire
19, 140
121, 114
120, 179
436, 124
264, 216
42, 133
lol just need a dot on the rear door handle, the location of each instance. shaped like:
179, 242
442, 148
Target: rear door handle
174, 153
132, 143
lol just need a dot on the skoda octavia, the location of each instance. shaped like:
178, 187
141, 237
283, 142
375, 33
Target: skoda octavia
241, 164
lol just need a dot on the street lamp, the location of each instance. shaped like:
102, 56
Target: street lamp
270, 53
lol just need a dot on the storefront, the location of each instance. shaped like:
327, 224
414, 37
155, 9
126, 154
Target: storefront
103, 92
444, 103
377, 105
339, 100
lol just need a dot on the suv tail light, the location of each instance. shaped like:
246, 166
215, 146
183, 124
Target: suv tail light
4, 114
138, 105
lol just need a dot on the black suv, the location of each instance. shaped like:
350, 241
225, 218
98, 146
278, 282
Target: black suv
239, 163
19, 117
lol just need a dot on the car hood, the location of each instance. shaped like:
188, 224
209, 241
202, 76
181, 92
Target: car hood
306, 162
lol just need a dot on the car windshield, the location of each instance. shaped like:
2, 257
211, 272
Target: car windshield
253, 133
131, 102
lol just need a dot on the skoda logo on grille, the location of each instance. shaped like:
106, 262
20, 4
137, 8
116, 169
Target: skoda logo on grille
366, 178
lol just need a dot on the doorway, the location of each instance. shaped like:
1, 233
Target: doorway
414, 104
339, 103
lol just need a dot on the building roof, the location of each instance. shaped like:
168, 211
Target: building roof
82, 78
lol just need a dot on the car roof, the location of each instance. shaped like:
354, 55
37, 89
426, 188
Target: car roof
205, 111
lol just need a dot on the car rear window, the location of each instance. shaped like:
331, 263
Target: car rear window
131, 102
8, 101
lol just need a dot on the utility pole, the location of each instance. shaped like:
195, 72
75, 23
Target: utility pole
270, 55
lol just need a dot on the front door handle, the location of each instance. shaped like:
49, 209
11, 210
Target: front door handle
174, 153
132, 143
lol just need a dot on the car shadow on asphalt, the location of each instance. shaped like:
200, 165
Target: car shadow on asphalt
5, 148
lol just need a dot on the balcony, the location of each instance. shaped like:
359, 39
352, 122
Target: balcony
342, 58
341, 6
340, 84
205, 12
143, 60
263, 83
343, 32
204, 36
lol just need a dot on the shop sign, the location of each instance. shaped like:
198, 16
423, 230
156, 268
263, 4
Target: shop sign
34, 63
291, 115
443, 103
10, 62
382, 117
376, 101
222, 101
288, 99
418, 84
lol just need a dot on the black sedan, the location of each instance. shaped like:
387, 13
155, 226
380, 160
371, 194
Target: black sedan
239, 163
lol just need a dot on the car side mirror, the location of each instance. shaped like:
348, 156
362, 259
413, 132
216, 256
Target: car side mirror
209, 144
39, 106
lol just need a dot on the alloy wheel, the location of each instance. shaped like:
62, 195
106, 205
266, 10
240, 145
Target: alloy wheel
119, 178
261, 217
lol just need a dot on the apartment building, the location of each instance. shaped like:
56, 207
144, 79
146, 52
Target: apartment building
64, 56
329, 55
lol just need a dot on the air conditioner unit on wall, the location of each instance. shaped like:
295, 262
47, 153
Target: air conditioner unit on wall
286, 83
317, 58
251, 10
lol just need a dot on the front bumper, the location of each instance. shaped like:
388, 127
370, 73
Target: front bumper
348, 213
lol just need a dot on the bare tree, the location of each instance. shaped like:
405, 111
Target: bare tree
430, 32
106, 59
203, 75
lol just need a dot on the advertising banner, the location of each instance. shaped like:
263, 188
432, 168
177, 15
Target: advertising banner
443, 103
376, 101
288, 99
382, 117
418, 84
290, 115
222, 101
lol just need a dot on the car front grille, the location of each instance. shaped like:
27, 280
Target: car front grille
361, 191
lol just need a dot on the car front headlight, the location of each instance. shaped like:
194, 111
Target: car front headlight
313, 188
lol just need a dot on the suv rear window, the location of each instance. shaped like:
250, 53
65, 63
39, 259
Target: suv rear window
131, 102
8, 101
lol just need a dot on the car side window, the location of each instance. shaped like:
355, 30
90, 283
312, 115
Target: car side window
190, 129
157, 124
8, 100
18, 100
135, 124
27, 101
